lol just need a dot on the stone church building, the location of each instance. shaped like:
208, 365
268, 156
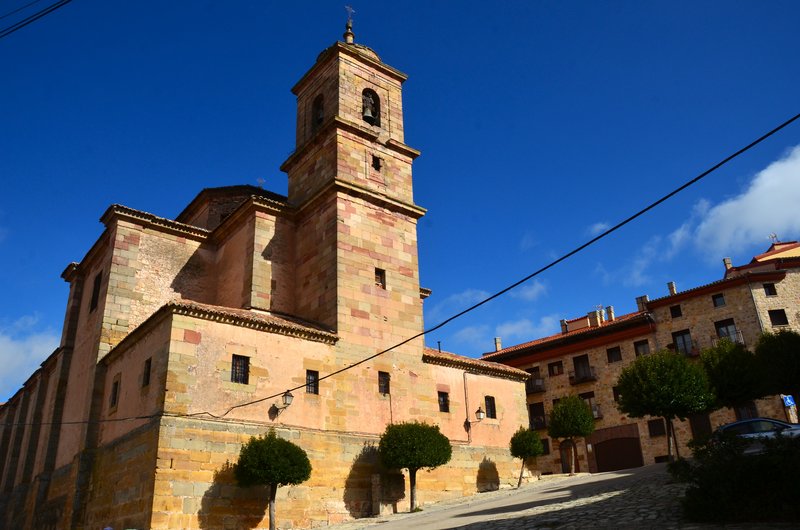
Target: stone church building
182, 337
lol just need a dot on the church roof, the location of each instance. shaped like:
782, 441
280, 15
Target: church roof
434, 356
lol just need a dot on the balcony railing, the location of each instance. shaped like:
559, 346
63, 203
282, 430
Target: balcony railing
534, 385
582, 375
596, 412
736, 337
538, 423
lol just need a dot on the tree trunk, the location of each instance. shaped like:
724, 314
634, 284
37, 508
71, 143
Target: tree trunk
412, 481
670, 439
573, 450
273, 488
521, 471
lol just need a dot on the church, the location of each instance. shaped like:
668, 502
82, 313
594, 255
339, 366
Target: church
250, 310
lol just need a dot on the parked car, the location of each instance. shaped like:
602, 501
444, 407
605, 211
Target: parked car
755, 429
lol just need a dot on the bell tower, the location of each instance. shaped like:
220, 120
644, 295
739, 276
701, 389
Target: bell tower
350, 181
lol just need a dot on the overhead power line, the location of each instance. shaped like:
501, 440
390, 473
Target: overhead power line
33, 18
493, 296
17, 10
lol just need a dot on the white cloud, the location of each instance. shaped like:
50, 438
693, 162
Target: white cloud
598, 228
472, 335
769, 204
524, 330
528, 242
636, 273
530, 291
455, 303
22, 349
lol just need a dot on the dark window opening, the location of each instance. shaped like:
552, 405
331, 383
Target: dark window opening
701, 426
614, 354
312, 382
556, 368
444, 402
377, 163
726, 329
770, 290
718, 300
114, 398
371, 107
777, 317
317, 111
615, 392
682, 340
545, 446
146, 372
675, 311
240, 369
491, 411
96, 291
641, 347
380, 278
536, 417
657, 427
383, 382
746, 411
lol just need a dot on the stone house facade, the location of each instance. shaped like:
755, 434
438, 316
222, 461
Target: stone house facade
182, 336
587, 357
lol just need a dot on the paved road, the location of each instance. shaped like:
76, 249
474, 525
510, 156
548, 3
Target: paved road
637, 498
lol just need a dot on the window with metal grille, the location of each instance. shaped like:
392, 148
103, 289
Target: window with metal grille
312, 382
240, 369
491, 411
444, 402
383, 382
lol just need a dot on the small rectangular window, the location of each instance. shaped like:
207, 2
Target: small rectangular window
657, 427
726, 329
491, 411
675, 311
556, 368
614, 354
536, 416
113, 399
377, 163
682, 340
777, 317
718, 300
641, 347
444, 402
98, 280
146, 372
240, 369
312, 382
383, 382
380, 278
746, 411
545, 446
615, 392
770, 290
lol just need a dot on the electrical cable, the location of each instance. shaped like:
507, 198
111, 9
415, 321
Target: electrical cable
498, 293
33, 18
17, 10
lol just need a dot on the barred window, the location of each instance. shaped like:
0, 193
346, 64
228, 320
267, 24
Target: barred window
383, 382
444, 402
240, 369
312, 382
491, 411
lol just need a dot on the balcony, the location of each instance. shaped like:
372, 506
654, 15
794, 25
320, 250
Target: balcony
534, 385
583, 374
538, 423
736, 337
596, 412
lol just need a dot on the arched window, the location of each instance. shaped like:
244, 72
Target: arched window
371, 107
317, 111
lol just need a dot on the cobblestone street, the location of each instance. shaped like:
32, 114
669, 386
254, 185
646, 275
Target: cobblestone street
638, 498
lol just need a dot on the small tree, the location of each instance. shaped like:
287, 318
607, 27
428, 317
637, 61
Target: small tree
414, 446
571, 418
525, 444
734, 374
779, 355
664, 384
271, 461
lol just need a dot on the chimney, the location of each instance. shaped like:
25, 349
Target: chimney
610, 313
594, 318
641, 302
727, 263
564, 326
498, 344
672, 288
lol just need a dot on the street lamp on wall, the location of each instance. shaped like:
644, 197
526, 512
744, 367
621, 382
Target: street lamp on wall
277, 408
480, 414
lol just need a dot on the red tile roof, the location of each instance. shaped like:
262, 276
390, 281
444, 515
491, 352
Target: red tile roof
434, 356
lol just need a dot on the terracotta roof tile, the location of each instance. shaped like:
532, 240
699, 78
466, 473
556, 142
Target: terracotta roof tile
434, 356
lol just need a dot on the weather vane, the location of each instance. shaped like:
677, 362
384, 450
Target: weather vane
774, 237
350, 12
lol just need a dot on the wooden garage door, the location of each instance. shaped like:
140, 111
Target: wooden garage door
618, 453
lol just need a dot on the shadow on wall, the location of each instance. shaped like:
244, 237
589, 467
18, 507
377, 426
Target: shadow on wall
370, 488
226, 505
488, 478
192, 280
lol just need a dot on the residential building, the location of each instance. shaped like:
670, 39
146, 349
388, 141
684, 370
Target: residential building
182, 337
587, 357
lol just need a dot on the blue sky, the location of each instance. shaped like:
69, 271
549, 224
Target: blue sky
539, 123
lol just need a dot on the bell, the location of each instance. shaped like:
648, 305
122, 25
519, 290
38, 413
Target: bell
368, 116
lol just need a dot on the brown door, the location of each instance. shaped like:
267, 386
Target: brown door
618, 453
